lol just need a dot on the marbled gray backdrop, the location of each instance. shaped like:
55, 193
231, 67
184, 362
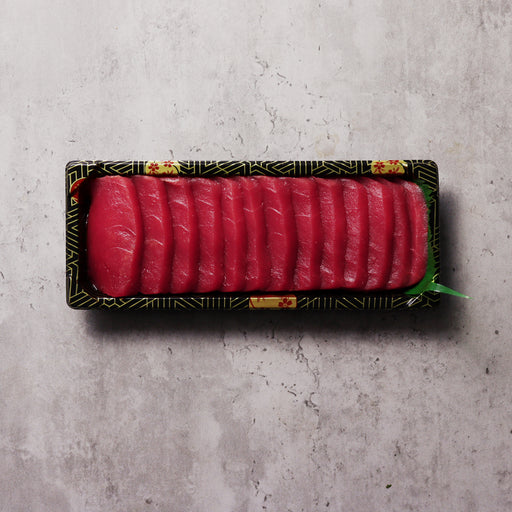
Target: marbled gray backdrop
261, 411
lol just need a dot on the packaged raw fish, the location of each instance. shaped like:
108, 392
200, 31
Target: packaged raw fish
237, 235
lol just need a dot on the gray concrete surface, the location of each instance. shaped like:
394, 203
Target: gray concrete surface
267, 411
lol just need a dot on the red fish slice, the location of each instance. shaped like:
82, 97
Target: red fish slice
356, 255
418, 217
401, 239
156, 221
184, 265
258, 264
281, 233
114, 236
235, 235
381, 226
334, 229
306, 208
207, 199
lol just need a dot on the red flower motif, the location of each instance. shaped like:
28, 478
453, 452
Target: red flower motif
153, 168
285, 303
167, 163
74, 192
394, 162
379, 165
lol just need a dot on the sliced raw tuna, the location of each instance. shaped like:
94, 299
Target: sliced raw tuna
157, 228
235, 235
418, 217
208, 200
356, 255
281, 233
185, 260
183, 235
381, 226
306, 208
258, 264
334, 229
401, 239
114, 236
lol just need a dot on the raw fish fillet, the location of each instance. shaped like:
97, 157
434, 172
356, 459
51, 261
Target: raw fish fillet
235, 235
356, 255
258, 263
281, 232
334, 229
185, 260
207, 199
401, 239
306, 208
156, 222
381, 224
418, 218
114, 236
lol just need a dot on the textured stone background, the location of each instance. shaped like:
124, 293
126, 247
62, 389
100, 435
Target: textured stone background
261, 411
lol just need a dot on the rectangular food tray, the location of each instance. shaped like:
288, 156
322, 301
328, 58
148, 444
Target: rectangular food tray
81, 294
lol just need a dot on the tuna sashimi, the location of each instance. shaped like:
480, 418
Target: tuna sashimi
306, 208
401, 256
114, 236
258, 264
356, 255
281, 233
381, 226
334, 229
418, 217
181, 235
185, 260
208, 199
157, 228
235, 235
